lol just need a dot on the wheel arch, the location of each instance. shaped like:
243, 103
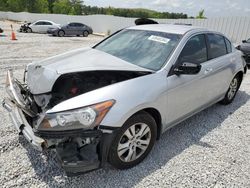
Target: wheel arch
157, 117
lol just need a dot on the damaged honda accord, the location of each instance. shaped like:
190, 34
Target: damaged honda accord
111, 102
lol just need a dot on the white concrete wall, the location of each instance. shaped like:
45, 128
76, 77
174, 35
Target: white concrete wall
236, 28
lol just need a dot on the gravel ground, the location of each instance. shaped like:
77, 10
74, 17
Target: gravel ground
211, 149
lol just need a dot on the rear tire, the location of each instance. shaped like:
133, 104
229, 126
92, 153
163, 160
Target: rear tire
133, 141
232, 91
85, 33
61, 33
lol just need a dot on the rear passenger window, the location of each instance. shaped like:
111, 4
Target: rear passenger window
195, 50
79, 25
229, 46
217, 46
47, 23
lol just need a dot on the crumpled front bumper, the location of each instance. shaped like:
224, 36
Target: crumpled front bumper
15, 106
73, 159
22, 126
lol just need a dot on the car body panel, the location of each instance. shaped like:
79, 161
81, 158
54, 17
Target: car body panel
86, 59
71, 29
42, 28
245, 48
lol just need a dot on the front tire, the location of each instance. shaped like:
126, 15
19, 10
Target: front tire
85, 33
232, 90
133, 141
61, 33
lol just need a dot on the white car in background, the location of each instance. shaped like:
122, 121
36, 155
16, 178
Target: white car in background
41, 26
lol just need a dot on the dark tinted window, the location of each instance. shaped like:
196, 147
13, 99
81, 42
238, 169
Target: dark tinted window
47, 23
229, 46
72, 24
217, 46
39, 23
195, 50
78, 24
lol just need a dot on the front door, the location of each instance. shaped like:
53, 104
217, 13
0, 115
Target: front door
186, 92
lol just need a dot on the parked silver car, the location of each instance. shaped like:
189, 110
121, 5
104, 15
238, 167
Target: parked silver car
110, 103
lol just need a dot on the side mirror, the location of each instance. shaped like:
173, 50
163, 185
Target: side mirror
244, 41
187, 68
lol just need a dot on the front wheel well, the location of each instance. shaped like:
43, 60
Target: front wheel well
157, 117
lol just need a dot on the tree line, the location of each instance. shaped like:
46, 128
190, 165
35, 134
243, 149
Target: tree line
77, 7
72, 7
124, 12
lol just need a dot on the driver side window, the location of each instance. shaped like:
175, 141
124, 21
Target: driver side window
195, 50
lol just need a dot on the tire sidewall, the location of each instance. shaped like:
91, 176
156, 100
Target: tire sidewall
61, 31
226, 100
85, 33
142, 117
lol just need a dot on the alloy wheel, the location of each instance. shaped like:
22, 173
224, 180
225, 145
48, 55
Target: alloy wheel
134, 142
232, 88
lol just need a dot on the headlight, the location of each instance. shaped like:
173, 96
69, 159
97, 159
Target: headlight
83, 118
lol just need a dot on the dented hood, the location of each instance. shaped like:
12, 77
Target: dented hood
42, 75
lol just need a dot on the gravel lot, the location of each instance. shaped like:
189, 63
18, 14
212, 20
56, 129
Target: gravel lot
211, 149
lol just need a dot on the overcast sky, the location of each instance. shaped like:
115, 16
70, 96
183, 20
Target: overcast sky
213, 8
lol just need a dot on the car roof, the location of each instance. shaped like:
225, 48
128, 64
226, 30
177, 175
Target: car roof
75, 23
44, 21
168, 28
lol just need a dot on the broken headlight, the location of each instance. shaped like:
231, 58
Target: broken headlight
82, 118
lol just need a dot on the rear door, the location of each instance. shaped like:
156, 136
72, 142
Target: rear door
220, 59
80, 28
46, 26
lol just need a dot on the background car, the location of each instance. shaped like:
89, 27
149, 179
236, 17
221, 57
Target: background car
41, 26
245, 48
73, 28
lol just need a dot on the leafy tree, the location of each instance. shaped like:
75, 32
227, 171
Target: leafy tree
201, 14
3, 5
50, 5
41, 6
62, 7
16, 6
76, 7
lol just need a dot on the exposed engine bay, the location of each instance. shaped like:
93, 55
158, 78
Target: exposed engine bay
73, 84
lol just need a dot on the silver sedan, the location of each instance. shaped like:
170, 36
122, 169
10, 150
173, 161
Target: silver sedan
110, 102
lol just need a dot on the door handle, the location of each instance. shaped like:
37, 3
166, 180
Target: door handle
208, 70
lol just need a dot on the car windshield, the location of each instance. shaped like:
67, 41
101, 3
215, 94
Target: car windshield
147, 49
248, 40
